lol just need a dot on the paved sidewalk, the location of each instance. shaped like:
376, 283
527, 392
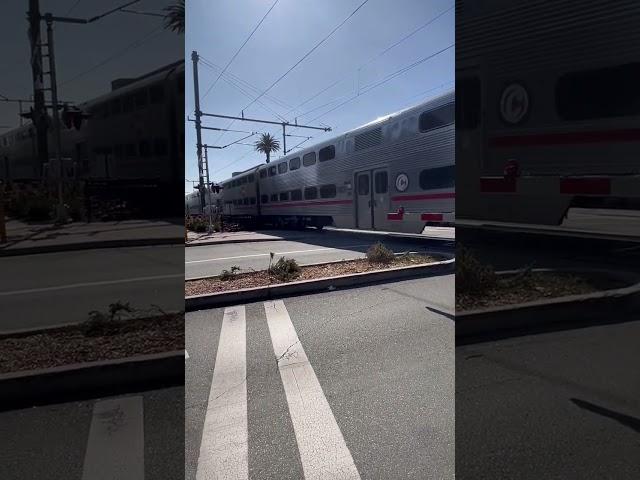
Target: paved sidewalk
45, 237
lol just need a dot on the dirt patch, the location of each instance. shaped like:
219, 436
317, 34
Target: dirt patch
77, 344
530, 287
313, 272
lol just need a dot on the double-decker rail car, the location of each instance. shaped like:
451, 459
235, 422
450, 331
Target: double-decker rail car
396, 173
548, 107
133, 132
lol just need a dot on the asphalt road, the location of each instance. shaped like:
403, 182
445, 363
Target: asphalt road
555, 405
372, 391
207, 260
57, 288
133, 436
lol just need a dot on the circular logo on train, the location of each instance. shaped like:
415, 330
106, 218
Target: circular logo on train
514, 103
402, 182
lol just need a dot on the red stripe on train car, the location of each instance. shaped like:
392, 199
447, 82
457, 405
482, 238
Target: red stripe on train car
498, 185
566, 138
586, 186
431, 217
395, 216
426, 196
306, 204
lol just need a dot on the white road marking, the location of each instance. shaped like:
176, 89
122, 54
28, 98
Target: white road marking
323, 451
116, 441
90, 284
224, 446
277, 253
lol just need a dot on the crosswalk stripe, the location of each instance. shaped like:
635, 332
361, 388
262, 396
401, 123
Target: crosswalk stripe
323, 451
224, 446
115, 448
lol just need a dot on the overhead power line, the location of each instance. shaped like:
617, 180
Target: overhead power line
301, 59
390, 77
240, 49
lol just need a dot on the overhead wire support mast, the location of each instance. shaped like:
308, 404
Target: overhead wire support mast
270, 122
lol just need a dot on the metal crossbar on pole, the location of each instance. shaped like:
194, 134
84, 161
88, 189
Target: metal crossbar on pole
270, 122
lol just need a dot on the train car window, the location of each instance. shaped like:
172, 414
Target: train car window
310, 193
251, 178
601, 93
294, 163
252, 200
156, 94
234, 183
127, 103
309, 159
363, 184
296, 195
284, 196
328, 191
264, 198
245, 200
141, 98
327, 153
272, 171
181, 83
145, 149
263, 173
116, 106
243, 180
130, 150
160, 147
467, 103
441, 177
437, 118
274, 197
282, 167
381, 182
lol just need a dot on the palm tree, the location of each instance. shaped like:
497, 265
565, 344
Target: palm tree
174, 17
267, 144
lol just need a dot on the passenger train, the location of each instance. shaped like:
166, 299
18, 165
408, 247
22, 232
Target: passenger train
134, 132
396, 173
547, 111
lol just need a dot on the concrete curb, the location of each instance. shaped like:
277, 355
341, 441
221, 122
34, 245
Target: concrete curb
418, 237
91, 380
240, 240
248, 295
69, 247
570, 311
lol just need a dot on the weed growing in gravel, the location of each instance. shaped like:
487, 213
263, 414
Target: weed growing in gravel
378, 253
229, 274
285, 269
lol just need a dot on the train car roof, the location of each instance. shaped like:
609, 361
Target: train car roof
137, 82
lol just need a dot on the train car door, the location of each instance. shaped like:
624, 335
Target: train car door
364, 210
380, 197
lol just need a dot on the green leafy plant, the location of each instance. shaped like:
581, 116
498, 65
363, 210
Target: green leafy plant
101, 323
285, 269
471, 275
378, 253
229, 274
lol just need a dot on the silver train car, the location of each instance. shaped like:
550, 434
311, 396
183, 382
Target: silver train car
133, 132
213, 202
396, 173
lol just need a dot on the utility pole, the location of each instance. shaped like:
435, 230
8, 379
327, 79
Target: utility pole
198, 113
39, 117
56, 115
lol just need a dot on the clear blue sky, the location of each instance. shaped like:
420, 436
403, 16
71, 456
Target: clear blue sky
217, 29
